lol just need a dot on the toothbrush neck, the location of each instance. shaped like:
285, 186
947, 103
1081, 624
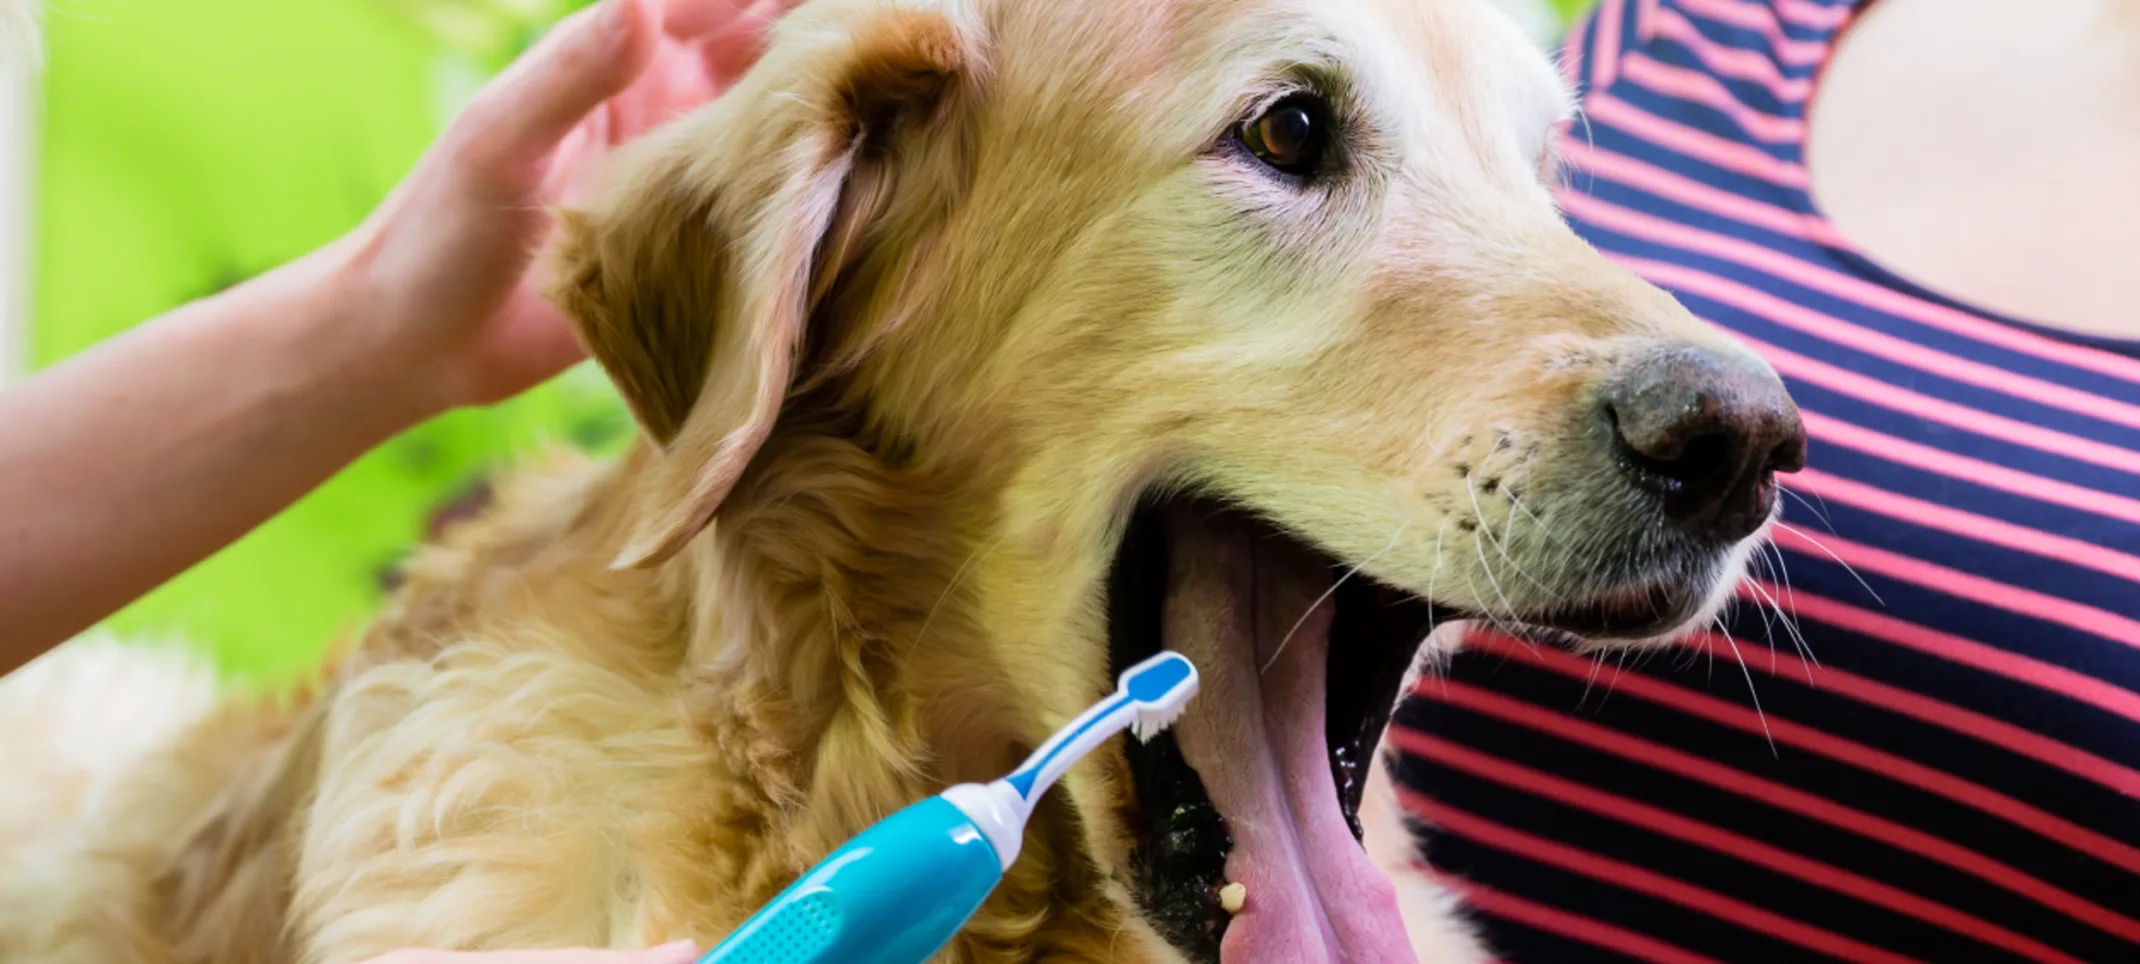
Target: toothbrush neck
1069, 744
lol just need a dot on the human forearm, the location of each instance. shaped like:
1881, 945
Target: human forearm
128, 464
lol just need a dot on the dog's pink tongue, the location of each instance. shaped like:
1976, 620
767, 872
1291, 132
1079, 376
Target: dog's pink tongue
1256, 738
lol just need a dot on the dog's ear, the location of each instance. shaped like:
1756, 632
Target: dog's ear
693, 278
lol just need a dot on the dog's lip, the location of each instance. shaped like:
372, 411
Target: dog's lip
1638, 610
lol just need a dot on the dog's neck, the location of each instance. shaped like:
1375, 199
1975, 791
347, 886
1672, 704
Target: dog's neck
836, 665
829, 624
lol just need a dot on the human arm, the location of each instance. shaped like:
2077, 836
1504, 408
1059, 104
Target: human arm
124, 466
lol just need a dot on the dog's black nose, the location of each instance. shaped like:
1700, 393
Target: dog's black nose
1706, 431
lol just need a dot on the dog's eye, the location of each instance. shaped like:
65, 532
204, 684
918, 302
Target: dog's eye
1290, 136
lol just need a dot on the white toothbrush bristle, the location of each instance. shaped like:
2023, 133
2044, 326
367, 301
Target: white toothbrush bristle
1152, 722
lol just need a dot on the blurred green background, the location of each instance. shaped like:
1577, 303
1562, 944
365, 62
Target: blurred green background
189, 144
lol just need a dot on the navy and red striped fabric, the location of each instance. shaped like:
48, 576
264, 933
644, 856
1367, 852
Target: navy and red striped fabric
1954, 778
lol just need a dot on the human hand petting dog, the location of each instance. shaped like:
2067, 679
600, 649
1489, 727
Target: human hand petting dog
681, 952
132, 461
440, 272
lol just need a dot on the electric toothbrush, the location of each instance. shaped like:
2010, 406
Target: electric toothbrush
899, 891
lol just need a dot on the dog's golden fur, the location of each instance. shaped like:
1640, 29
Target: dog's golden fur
910, 318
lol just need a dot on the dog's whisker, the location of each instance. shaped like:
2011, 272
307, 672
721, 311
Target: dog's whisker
1819, 512
1493, 620
1790, 629
1783, 571
1486, 569
1487, 532
1590, 679
1433, 578
1553, 545
1516, 502
1847, 567
1768, 626
1751, 693
1536, 522
1327, 593
1435, 575
1612, 682
1589, 137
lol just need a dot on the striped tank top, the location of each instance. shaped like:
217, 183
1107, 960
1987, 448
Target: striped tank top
1933, 753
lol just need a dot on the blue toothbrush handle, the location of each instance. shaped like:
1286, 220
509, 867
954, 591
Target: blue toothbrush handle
895, 894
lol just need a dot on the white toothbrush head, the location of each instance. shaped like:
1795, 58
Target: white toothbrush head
1159, 689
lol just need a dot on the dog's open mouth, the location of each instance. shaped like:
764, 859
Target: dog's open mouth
1259, 784
1251, 802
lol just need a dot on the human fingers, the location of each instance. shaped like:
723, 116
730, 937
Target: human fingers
730, 51
511, 129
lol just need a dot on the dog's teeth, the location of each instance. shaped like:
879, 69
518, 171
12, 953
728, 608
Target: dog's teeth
1233, 897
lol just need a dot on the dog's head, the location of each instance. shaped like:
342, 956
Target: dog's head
1247, 329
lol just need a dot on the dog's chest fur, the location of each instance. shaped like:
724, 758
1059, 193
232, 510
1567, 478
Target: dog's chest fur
524, 754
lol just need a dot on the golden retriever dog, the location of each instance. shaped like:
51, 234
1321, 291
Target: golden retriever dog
981, 348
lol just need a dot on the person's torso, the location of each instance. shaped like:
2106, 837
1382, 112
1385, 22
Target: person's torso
1917, 737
